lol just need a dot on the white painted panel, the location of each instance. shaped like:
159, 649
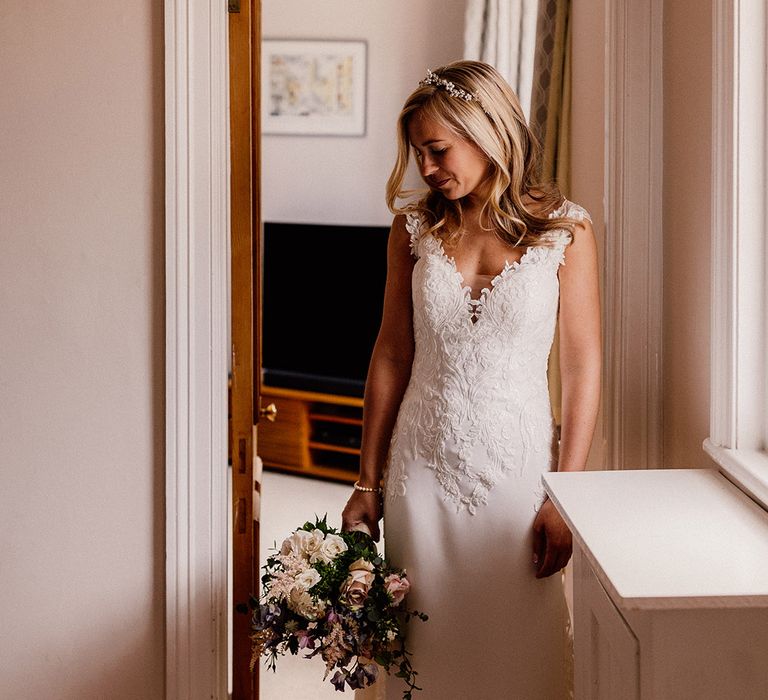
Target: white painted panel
607, 652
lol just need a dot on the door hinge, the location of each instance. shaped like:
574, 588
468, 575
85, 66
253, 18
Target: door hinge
233, 6
229, 420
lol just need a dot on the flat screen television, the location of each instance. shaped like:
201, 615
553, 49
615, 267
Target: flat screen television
323, 291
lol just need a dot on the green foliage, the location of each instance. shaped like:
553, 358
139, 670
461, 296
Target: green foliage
375, 630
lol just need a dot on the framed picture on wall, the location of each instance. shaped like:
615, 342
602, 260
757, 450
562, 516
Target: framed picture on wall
313, 87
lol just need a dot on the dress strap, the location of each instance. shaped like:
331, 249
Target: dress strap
576, 211
560, 238
571, 210
415, 225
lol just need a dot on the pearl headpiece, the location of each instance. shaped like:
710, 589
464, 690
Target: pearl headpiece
434, 79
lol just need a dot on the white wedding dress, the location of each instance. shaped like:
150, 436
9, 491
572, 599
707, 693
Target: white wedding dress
473, 436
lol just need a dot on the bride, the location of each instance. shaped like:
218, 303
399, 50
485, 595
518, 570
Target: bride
457, 426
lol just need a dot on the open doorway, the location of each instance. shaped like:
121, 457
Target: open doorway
317, 185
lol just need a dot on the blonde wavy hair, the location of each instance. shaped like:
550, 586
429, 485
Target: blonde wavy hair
494, 121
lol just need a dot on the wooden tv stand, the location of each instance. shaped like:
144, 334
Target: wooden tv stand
314, 434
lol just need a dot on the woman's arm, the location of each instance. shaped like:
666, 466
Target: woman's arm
580, 362
580, 348
388, 375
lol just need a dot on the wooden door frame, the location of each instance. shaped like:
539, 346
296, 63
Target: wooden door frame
245, 296
197, 329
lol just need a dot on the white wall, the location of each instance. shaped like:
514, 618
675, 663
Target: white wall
341, 180
81, 367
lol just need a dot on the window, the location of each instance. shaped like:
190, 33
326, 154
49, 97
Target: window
739, 392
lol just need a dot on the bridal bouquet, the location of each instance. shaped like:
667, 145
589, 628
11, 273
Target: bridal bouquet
331, 593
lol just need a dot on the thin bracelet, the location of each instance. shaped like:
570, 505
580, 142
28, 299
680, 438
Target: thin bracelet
367, 489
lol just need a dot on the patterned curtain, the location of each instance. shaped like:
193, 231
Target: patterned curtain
503, 33
550, 121
551, 95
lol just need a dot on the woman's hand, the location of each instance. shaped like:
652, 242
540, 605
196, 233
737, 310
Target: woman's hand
363, 507
552, 542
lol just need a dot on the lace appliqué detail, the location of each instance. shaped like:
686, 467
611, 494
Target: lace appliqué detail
477, 404
416, 227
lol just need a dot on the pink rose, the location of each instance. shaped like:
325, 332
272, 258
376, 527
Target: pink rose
354, 590
397, 587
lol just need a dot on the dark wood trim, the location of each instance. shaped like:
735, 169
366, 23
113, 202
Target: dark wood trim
244, 33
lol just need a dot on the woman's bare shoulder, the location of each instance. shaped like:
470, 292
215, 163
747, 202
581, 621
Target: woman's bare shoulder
399, 233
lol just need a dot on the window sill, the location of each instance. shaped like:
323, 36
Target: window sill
748, 469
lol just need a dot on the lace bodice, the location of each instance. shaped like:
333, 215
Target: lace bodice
477, 403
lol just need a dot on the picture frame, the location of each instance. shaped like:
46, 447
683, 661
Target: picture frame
313, 87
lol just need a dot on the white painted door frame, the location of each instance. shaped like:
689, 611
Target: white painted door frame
197, 288
197, 318
633, 275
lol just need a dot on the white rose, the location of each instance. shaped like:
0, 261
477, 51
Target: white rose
295, 543
299, 600
302, 543
301, 603
313, 544
332, 546
307, 579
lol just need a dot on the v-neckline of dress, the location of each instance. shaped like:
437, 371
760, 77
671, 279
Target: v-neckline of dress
476, 306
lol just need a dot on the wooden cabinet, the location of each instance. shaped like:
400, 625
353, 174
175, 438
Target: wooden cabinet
313, 435
670, 585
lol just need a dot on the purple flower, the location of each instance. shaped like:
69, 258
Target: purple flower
267, 616
371, 672
364, 675
306, 641
271, 612
339, 679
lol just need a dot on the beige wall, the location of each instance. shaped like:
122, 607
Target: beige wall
687, 218
587, 136
687, 142
81, 369
587, 109
341, 180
